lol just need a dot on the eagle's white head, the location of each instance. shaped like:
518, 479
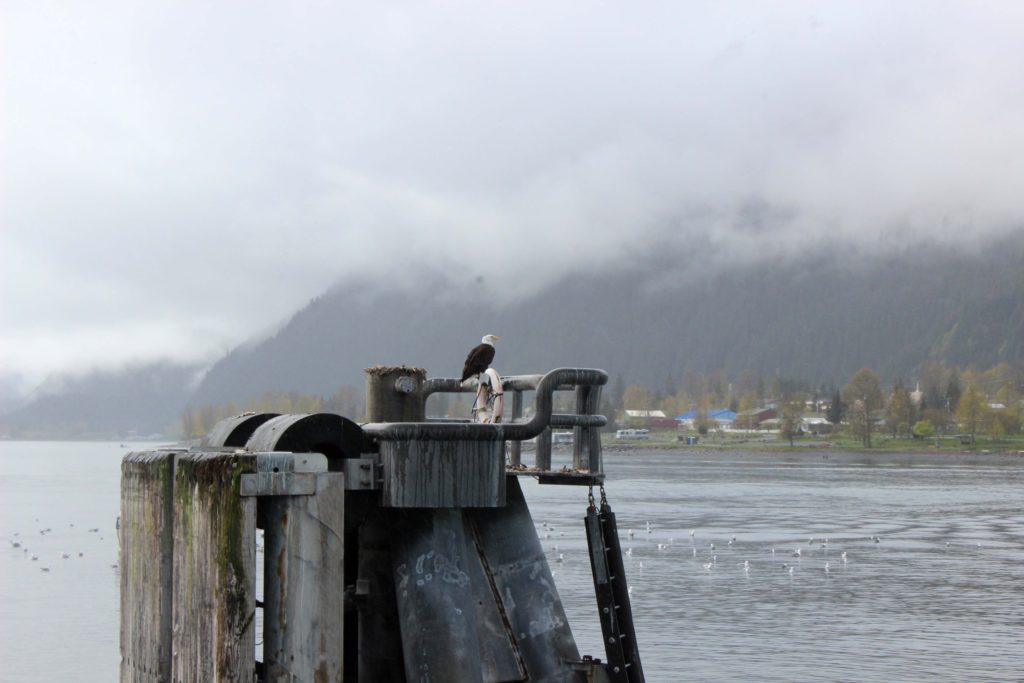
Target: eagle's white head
489, 339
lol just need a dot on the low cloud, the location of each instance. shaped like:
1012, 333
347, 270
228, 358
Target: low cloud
178, 176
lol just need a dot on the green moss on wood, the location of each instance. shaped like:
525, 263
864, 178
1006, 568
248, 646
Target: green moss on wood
390, 369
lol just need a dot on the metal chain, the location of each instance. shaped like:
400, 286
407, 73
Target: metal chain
590, 498
604, 497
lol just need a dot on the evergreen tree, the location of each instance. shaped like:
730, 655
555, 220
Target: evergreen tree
835, 408
953, 390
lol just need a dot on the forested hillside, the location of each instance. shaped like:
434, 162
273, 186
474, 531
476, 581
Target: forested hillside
813, 320
816, 318
132, 402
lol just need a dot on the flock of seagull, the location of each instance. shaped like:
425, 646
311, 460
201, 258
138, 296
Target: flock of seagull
19, 542
707, 553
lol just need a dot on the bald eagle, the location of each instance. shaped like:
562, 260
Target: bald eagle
479, 359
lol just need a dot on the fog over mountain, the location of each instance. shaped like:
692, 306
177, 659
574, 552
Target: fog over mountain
180, 175
818, 318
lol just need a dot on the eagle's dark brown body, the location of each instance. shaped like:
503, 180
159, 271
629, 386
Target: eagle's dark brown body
478, 360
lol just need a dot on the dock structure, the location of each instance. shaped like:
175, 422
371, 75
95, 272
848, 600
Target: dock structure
312, 548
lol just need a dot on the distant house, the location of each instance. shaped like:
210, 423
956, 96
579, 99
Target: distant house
648, 418
816, 425
723, 416
752, 419
645, 414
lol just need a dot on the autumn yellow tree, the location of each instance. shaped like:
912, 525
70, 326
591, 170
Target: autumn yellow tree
971, 410
864, 401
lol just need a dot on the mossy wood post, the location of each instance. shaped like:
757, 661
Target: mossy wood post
147, 510
214, 570
586, 449
395, 394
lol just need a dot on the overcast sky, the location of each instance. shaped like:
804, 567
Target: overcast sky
177, 176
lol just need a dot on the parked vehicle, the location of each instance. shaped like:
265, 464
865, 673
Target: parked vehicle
633, 434
561, 438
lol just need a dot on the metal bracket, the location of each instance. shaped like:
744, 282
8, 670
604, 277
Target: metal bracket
284, 474
360, 474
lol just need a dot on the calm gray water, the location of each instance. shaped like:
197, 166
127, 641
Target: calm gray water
907, 608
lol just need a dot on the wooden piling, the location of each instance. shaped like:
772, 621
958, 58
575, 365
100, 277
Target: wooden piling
214, 570
303, 604
147, 514
395, 394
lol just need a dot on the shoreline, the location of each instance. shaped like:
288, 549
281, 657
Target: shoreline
1012, 448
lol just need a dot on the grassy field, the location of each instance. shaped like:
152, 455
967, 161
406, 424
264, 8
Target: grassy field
844, 442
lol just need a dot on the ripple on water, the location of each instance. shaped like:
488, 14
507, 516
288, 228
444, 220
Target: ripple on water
908, 607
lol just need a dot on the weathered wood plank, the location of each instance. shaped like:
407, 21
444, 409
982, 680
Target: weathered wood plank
147, 505
213, 636
303, 599
443, 474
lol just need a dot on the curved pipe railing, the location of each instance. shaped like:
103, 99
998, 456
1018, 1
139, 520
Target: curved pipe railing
544, 387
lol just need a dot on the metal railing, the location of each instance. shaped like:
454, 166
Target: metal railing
585, 422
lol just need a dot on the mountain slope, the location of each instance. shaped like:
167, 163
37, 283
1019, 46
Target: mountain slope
138, 401
818, 318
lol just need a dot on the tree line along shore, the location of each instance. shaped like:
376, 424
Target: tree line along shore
940, 407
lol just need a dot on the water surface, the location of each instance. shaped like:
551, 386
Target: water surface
940, 596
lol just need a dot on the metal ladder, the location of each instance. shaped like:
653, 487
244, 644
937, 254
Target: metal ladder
612, 594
